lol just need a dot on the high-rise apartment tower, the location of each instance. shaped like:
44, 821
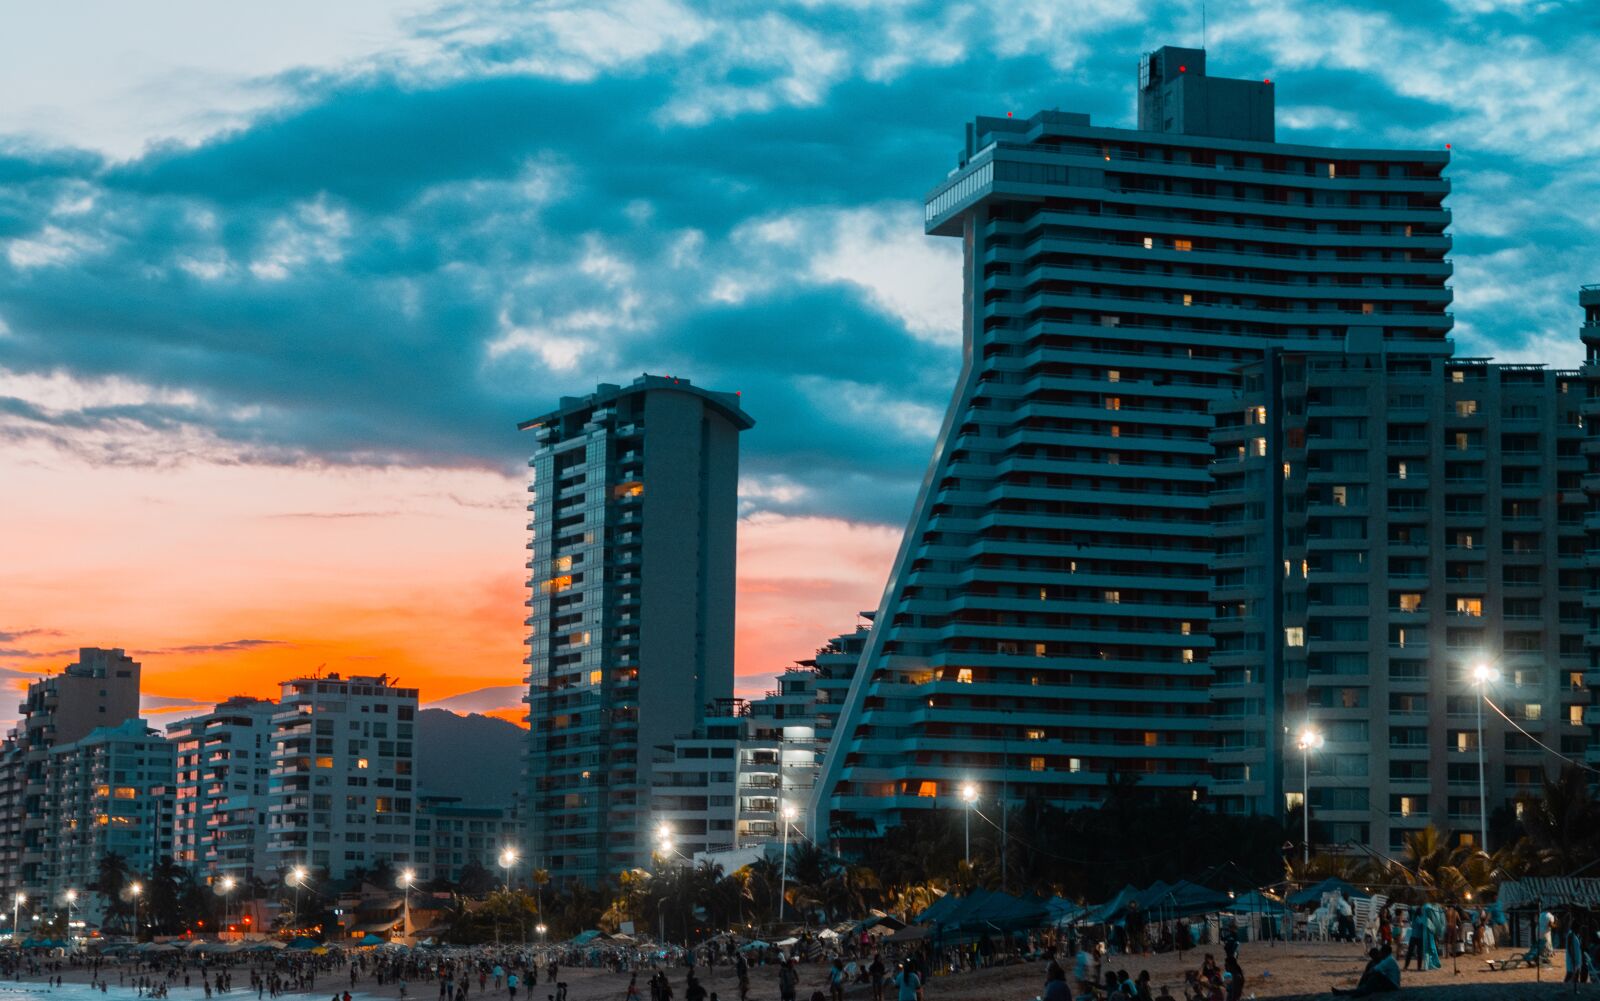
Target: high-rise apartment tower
1046, 621
633, 505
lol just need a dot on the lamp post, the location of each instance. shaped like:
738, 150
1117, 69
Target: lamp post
227, 883
296, 877
787, 812
407, 877
71, 897
969, 795
1484, 675
664, 849
136, 889
541, 930
16, 912
1309, 741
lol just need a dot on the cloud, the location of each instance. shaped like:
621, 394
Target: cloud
227, 646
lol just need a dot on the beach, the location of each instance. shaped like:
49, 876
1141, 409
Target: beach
1297, 971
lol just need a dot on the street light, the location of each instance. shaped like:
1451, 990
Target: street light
1484, 675
71, 897
407, 877
1309, 741
227, 883
788, 813
16, 911
541, 929
969, 795
136, 889
508, 858
296, 877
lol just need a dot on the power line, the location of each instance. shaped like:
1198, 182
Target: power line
1536, 740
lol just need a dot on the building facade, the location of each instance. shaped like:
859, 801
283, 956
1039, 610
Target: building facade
100, 689
223, 778
342, 793
632, 514
452, 834
1589, 333
109, 792
1385, 524
1046, 621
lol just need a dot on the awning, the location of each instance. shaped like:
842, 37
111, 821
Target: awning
1550, 891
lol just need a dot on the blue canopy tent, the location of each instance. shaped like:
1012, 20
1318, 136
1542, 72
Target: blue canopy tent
1312, 895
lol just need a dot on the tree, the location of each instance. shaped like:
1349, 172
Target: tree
111, 882
475, 880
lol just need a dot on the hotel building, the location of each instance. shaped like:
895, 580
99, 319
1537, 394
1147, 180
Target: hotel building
1047, 619
223, 779
632, 509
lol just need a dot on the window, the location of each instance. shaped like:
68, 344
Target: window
1113, 375
1113, 403
1469, 606
1466, 408
1035, 764
360, 763
1113, 597
595, 677
1149, 243
1188, 300
1074, 764
1366, 309
1294, 636
1035, 734
964, 676
1182, 245
1409, 602
1575, 715
1341, 495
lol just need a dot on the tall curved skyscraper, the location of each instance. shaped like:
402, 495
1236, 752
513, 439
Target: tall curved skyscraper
1045, 624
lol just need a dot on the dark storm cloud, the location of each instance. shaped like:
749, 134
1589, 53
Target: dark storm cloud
399, 265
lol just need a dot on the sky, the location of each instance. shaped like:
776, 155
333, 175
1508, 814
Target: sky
278, 280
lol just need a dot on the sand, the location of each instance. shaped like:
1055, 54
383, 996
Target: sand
1299, 971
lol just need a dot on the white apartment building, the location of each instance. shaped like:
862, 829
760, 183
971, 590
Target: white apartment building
342, 782
223, 775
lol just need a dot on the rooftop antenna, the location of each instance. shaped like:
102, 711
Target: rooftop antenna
1202, 24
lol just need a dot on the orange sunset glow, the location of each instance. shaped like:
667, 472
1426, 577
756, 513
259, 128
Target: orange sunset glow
224, 578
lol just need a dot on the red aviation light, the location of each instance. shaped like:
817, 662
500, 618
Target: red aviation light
1183, 69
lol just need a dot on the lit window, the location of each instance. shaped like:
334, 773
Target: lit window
1113, 375
1116, 430
1035, 734
1185, 628
1188, 656
1410, 603
1113, 403
1038, 649
360, 763
1113, 597
1408, 805
1366, 309
964, 676
1533, 711
1294, 636
1150, 738
1469, 606
325, 762
1463, 441
1333, 171
595, 677
1182, 245
1188, 299
1400, 470
1458, 376
1341, 496
1286, 468
1074, 764
928, 789
563, 564
1035, 764
1575, 715
1149, 243
1466, 408
1261, 446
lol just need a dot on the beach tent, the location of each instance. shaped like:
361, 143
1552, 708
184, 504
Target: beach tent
585, 937
1256, 902
1311, 896
304, 943
948, 904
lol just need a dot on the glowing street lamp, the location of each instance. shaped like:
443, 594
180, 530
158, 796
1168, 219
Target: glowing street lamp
407, 877
541, 929
226, 884
136, 889
16, 911
1483, 675
508, 859
296, 878
969, 795
1309, 741
71, 897
788, 812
